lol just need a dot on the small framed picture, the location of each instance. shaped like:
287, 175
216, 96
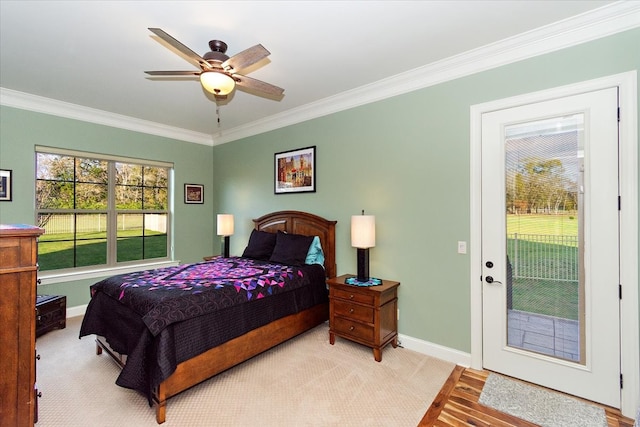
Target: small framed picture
6, 185
295, 171
193, 193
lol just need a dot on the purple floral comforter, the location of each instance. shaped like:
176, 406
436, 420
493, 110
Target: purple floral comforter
168, 295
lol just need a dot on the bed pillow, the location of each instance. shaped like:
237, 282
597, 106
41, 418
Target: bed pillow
260, 246
315, 254
291, 249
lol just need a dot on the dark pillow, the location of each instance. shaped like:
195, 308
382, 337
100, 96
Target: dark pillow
291, 249
260, 245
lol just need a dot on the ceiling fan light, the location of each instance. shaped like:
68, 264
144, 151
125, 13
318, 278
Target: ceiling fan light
217, 83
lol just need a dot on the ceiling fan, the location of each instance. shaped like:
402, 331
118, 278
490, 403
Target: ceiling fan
219, 72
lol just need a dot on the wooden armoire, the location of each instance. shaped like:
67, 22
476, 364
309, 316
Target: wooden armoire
18, 276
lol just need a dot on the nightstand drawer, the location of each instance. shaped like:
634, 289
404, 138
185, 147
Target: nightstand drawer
354, 296
353, 311
355, 329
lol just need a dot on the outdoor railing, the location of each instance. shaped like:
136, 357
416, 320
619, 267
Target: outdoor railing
540, 256
97, 223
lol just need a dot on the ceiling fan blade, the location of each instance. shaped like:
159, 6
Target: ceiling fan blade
173, 73
191, 55
245, 58
257, 85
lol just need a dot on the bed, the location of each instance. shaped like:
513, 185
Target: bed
163, 351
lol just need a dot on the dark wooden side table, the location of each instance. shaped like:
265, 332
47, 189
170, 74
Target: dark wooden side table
51, 313
364, 314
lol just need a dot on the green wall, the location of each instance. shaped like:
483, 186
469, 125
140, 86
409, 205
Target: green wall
405, 160
21, 131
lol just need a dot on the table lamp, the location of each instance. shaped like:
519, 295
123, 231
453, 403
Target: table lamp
363, 237
225, 229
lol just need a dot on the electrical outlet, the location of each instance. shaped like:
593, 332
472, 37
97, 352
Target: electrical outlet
398, 314
462, 247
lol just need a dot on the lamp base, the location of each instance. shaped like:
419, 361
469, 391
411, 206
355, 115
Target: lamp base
363, 265
224, 251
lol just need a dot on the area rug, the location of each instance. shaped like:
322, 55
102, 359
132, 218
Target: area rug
543, 407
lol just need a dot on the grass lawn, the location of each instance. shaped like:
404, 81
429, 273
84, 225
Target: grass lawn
56, 251
550, 297
549, 225
553, 261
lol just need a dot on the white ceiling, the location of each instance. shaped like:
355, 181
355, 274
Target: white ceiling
93, 53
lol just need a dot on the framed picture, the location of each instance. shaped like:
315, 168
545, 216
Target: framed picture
6, 192
193, 193
295, 171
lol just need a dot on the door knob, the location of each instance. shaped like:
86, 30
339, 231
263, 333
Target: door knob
489, 279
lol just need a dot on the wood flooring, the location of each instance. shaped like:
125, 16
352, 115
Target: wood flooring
457, 405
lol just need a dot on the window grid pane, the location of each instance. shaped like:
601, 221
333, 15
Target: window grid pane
72, 201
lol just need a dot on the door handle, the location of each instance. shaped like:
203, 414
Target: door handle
489, 279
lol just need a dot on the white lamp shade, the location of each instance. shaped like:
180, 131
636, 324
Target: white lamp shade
225, 225
217, 83
363, 231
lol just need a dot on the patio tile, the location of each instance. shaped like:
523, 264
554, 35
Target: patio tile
515, 337
544, 334
539, 340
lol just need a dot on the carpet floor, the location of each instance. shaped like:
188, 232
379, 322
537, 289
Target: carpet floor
302, 382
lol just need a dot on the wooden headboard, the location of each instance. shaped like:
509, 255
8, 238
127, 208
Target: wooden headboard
294, 222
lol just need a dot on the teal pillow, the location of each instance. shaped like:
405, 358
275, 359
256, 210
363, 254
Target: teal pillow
315, 254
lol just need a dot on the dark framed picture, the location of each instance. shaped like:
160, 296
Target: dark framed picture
295, 171
193, 193
6, 185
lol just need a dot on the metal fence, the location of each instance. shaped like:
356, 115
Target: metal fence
541, 256
97, 223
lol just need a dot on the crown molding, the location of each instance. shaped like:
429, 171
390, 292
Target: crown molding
40, 104
608, 20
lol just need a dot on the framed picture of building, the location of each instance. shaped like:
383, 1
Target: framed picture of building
295, 171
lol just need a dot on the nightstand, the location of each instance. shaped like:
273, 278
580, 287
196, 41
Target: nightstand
364, 314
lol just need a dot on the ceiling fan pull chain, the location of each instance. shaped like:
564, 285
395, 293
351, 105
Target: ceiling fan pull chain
218, 113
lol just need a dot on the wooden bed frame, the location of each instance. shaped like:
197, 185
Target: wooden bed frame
238, 350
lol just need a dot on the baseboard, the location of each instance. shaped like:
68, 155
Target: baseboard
425, 347
78, 310
435, 350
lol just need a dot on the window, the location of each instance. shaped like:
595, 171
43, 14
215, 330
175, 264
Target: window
100, 210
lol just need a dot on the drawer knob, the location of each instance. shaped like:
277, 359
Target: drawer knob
351, 310
351, 296
351, 328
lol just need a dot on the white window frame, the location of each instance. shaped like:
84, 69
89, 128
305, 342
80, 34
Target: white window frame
112, 266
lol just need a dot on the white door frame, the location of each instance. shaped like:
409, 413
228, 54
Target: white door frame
629, 324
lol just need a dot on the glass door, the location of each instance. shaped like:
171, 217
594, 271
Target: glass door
545, 272
550, 251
